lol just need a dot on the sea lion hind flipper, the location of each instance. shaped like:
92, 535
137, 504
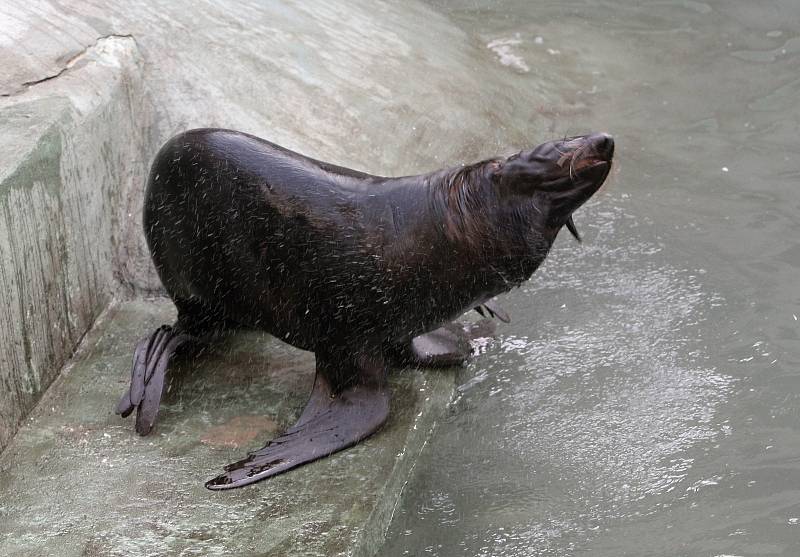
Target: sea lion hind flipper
150, 361
126, 403
329, 423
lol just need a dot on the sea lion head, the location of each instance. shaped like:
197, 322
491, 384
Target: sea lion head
555, 178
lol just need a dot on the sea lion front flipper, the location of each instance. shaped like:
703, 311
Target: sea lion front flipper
449, 345
332, 420
493, 310
150, 360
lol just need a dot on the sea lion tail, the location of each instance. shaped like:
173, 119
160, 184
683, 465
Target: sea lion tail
331, 421
150, 361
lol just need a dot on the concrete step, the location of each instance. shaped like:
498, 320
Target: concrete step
76, 479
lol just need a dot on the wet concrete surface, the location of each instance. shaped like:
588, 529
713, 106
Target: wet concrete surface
76, 479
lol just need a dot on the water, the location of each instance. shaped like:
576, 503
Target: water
646, 398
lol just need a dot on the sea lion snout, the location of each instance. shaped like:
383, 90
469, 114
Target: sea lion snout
597, 148
602, 144
557, 176
585, 152
585, 163
558, 166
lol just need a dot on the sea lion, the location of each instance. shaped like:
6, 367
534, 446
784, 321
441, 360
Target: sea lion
359, 269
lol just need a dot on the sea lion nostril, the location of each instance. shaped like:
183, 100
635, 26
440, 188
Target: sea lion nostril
603, 144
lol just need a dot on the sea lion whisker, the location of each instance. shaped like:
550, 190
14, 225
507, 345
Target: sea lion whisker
577, 156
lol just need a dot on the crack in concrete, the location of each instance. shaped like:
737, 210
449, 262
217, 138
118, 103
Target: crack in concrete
23, 87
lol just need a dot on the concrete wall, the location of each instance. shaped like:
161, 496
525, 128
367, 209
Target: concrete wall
73, 148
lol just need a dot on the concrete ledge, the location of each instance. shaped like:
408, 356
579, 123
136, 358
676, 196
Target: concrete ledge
72, 152
76, 480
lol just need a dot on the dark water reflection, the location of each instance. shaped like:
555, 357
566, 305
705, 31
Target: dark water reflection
645, 399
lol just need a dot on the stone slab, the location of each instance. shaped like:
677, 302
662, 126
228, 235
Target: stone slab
76, 479
64, 185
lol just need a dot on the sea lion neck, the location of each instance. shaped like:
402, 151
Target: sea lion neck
463, 196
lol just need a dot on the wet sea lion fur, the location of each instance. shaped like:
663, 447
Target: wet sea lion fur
362, 270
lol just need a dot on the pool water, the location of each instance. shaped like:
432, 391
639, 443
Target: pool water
645, 399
